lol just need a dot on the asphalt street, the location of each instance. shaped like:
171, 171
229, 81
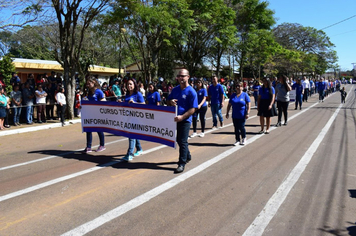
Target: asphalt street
298, 180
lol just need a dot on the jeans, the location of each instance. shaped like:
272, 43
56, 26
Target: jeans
256, 99
17, 113
298, 99
61, 112
132, 144
282, 108
182, 140
90, 139
201, 112
216, 111
239, 125
29, 114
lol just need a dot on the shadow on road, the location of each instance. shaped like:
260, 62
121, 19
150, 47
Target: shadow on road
211, 144
102, 159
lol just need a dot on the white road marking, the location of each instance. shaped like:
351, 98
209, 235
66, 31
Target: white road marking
136, 202
260, 223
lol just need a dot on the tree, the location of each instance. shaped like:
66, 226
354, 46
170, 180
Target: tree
251, 15
149, 26
22, 13
214, 21
74, 18
314, 45
29, 42
6, 68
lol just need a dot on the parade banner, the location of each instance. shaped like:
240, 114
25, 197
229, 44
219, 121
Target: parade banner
138, 121
292, 96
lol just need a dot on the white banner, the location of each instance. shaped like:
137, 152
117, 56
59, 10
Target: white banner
139, 121
292, 95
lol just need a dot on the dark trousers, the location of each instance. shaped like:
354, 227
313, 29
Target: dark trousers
282, 108
41, 109
201, 112
50, 112
239, 125
298, 100
306, 95
61, 112
182, 140
90, 139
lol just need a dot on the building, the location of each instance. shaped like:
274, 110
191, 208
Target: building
24, 67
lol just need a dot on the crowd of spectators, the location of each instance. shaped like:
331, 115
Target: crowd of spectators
39, 94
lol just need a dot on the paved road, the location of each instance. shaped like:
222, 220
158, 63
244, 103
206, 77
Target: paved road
294, 181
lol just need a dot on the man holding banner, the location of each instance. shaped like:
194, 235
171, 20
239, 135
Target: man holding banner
185, 98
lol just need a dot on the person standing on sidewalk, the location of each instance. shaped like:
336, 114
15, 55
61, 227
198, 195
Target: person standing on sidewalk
216, 101
3, 103
16, 103
185, 97
28, 102
61, 104
321, 89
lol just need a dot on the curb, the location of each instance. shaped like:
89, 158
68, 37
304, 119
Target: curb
36, 128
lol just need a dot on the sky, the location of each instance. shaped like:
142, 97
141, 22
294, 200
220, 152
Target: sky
320, 14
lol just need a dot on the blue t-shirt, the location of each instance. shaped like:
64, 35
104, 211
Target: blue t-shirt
255, 93
321, 86
187, 99
264, 92
153, 98
238, 105
201, 94
215, 93
97, 96
298, 89
136, 97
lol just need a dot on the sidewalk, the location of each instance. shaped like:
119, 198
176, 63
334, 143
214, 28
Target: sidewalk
24, 128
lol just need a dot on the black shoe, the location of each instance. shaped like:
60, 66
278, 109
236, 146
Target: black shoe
278, 124
179, 169
285, 123
295, 108
188, 160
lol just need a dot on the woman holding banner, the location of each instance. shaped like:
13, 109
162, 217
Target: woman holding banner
153, 97
133, 96
94, 94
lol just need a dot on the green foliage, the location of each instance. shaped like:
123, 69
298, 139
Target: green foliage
314, 46
6, 68
29, 42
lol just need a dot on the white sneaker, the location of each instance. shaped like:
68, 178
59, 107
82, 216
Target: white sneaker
193, 135
243, 141
201, 135
236, 143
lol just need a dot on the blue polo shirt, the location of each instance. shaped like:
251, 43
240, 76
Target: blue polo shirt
298, 89
153, 98
321, 86
215, 93
187, 99
201, 94
264, 92
97, 96
136, 97
238, 104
